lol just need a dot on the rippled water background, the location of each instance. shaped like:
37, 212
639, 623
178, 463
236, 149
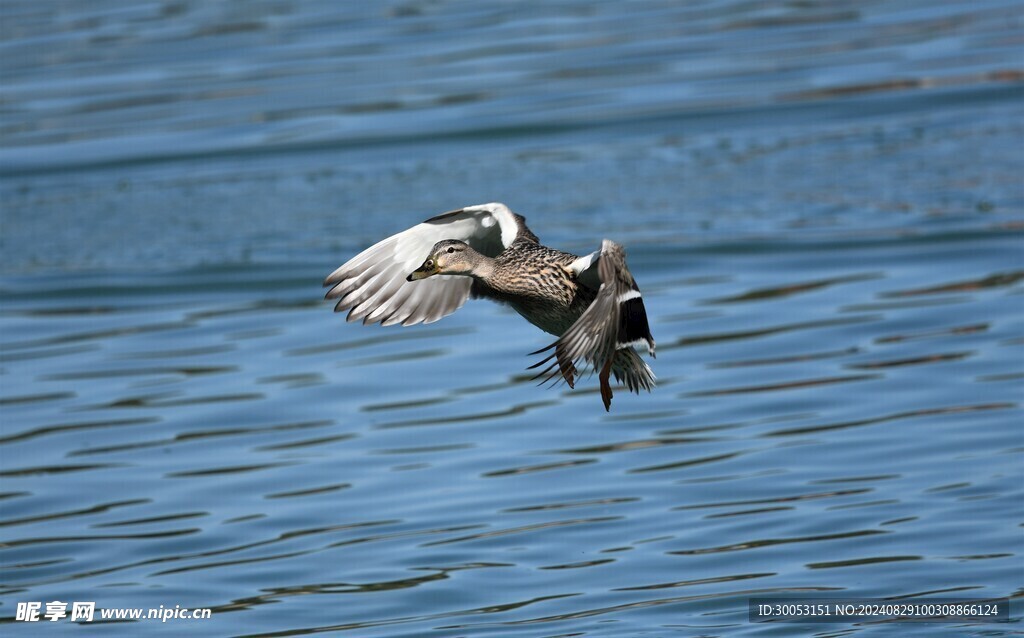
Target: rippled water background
822, 202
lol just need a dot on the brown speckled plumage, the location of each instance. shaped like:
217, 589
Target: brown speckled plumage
536, 281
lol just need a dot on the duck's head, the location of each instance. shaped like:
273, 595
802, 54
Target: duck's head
448, 257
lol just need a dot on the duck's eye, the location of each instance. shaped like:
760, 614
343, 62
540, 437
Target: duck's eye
430, 263
451, 249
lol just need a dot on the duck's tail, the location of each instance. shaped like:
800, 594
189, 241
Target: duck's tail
606, 332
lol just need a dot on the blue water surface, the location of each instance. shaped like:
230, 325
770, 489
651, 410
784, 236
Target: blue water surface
821, 201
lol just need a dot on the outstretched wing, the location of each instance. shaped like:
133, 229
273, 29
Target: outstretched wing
615, 321
372, 285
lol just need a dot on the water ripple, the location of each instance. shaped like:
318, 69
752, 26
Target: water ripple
789, 385
524, 529
95, 509
910, 414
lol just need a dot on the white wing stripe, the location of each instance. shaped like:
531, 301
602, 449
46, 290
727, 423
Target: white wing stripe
583, 262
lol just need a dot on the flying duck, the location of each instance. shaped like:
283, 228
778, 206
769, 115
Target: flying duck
591, 303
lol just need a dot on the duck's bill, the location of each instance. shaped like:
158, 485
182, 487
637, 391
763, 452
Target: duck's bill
421, 273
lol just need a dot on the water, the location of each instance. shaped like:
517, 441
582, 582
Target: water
822, 204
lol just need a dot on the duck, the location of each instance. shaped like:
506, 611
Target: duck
591, 303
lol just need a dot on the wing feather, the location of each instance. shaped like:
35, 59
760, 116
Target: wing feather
597, 336
372, 286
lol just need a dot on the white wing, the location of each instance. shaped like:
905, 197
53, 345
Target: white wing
372, 285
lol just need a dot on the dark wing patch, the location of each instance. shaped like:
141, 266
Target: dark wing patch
633, 326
